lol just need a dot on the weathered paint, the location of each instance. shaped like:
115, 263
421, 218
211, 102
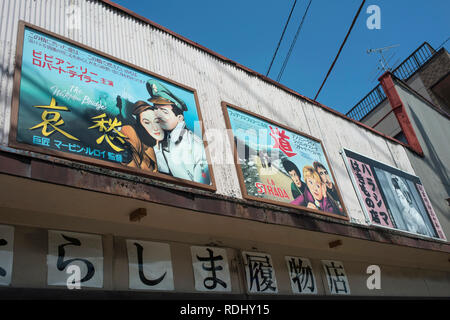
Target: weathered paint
163, 194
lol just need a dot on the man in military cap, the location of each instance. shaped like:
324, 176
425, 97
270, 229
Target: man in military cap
182, 150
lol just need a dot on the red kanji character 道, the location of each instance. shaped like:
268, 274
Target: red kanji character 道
281, 141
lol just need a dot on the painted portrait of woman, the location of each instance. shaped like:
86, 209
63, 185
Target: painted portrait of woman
413, 219
143, 137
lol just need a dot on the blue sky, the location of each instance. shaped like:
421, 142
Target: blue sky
247, 31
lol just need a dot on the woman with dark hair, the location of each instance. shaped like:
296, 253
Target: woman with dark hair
297, 186
143, 137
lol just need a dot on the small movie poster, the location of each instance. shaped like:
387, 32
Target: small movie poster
392, 198
81, 105
282, 166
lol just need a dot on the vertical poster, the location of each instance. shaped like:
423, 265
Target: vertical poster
79, 104
282, 166
392, 198
336, 277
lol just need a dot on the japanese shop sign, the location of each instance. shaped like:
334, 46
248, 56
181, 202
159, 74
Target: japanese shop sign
82, 105
282, 166
149, 265
301, 275
82, 250
336, 277
6, 254
259, 272
211, 272
392, 198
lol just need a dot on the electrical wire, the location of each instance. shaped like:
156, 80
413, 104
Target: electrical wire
281, 38
293, 43
340, 49
442, 44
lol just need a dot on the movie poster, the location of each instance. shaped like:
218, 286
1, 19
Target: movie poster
392, 198
78, 104
282, 166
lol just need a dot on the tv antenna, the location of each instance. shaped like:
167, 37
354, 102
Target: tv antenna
383, 62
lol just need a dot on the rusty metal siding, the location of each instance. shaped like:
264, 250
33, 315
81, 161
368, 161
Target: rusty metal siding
114, 32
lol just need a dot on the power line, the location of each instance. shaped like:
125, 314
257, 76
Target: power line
282, 34
293, 43
442, 44
340, 49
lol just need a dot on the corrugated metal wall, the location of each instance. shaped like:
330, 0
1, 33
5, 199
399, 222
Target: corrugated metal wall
108, 30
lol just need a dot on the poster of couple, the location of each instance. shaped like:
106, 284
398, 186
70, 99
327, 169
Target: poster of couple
282, 166
83, 105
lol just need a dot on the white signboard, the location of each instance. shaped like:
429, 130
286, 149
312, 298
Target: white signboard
259, 272
301, 275
6, 254
211, 272
150, 265
336, 277
74, 255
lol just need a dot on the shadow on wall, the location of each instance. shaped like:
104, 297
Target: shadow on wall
433, 160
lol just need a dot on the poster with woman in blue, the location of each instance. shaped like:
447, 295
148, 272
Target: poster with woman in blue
79, 104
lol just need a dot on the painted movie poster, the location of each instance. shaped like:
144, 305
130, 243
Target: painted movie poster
85, 106
392, 198
283, 166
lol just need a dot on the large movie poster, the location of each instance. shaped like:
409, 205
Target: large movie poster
392, 198
78, 104
282, 166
